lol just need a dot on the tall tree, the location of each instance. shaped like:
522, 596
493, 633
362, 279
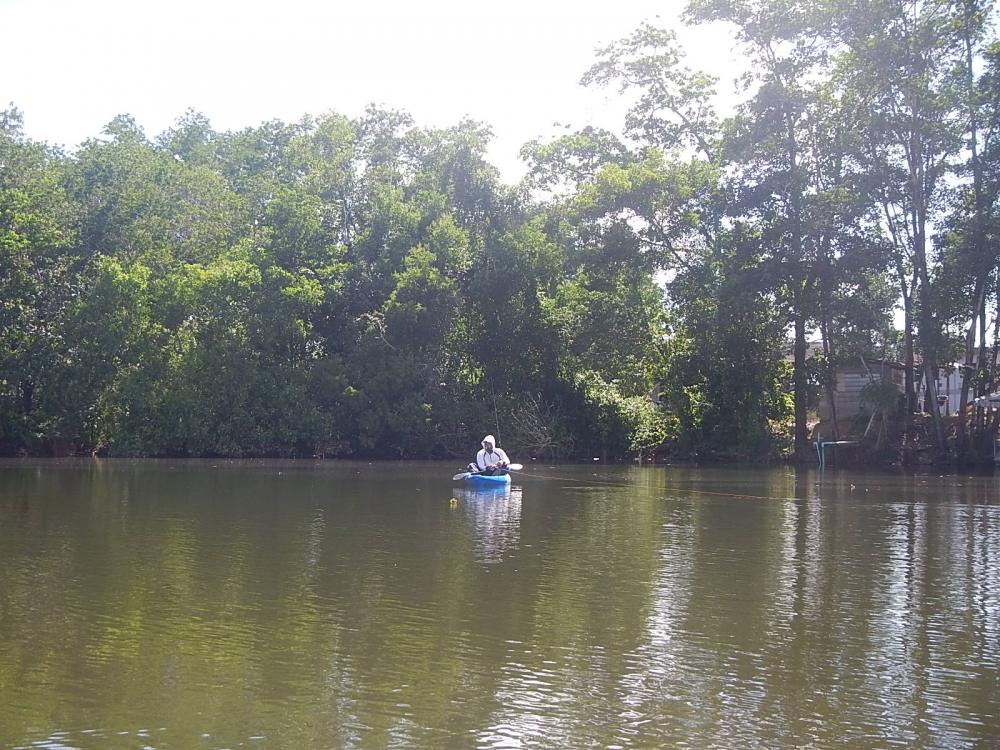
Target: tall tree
655, 203
981, 94
902, 60
771, 149
38, 280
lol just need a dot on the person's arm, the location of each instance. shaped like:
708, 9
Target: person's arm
504, 461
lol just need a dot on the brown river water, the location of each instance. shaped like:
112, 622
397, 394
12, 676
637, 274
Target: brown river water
260, 604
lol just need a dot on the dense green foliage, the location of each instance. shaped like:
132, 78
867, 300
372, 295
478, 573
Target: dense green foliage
333, 287
366, 286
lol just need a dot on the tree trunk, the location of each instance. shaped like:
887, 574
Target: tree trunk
929, 336
969, 372
799, 377
830, 378
909, 381
27, 396
978, 244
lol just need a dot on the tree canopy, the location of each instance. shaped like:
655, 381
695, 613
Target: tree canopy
366, 286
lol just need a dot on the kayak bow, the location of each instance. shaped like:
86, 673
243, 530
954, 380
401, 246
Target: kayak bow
472, 476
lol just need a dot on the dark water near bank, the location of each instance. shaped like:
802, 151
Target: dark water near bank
337, 605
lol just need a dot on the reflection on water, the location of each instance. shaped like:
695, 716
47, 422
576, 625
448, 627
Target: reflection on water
329, 604
495, 513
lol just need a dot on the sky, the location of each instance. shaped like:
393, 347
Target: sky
71, 66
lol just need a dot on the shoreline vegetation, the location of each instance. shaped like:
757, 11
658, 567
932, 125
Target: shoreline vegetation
940, 466
685, 288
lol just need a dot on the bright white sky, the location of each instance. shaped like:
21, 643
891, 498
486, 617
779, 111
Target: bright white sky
71, 66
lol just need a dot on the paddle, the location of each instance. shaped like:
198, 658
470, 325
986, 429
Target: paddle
467, 474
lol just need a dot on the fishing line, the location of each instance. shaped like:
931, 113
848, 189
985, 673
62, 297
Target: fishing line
689, 490
577, 480
496, 414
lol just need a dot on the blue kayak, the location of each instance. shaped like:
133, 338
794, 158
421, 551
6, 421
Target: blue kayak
488, 478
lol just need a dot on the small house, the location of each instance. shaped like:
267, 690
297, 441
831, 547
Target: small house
852, 377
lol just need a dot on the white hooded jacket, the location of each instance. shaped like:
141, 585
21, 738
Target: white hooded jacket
486, 459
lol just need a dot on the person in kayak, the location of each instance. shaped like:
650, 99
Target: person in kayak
490, 460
